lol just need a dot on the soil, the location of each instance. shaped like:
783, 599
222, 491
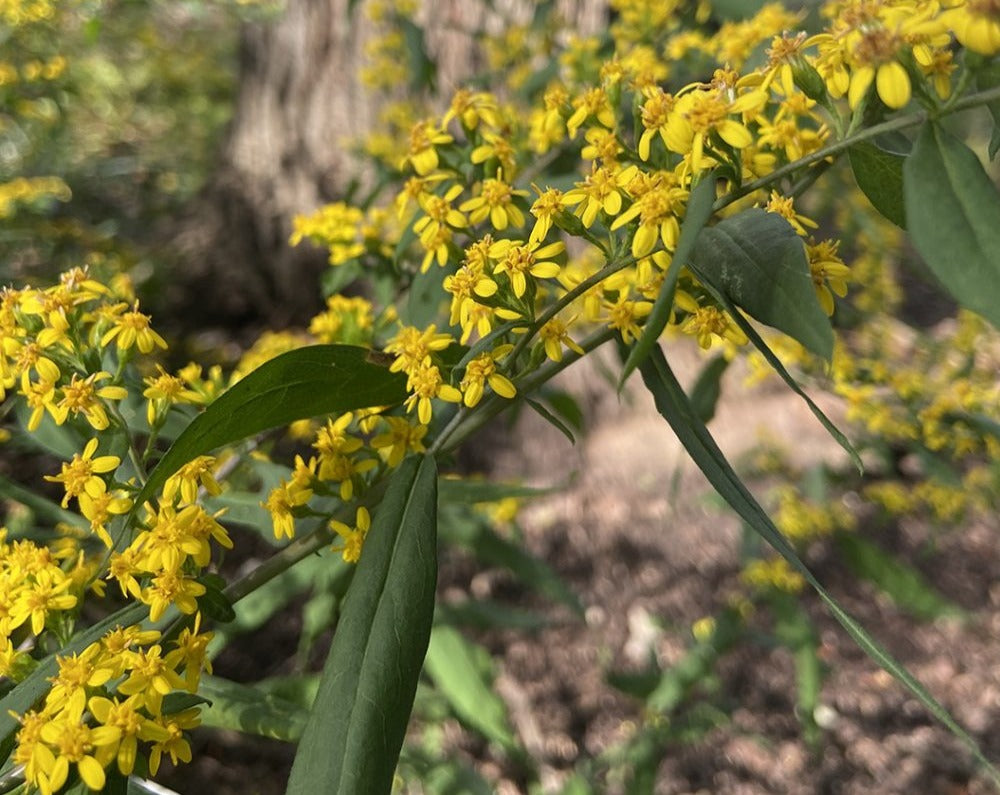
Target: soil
639, 537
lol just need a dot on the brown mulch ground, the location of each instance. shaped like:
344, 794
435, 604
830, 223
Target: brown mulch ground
648, 552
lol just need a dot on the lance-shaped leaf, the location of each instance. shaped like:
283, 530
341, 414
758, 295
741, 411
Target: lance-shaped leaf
676, 409
952, 212
756, 259
318, 379
355, 730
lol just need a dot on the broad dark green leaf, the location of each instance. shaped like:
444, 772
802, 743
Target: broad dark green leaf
879, 174
318, 379
906, 586
37, 684
708, 387
673, 404
697, 214
247, 709
453, 665
355, 730
952, 212
756, 259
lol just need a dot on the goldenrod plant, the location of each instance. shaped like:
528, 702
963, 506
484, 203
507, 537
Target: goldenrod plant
747, 183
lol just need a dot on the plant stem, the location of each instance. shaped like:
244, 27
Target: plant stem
899, 123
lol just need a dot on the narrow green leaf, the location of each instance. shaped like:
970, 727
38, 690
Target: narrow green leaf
44, 507
988, 76
247, 709
489, 547
758, 261
673, 404
906, 586
697, 214
463, 490
488, 614
352, 739
708, 388
952, 208
37, 684
772, 359
879, 174
451, 662
318, 379
552, 419
141, 786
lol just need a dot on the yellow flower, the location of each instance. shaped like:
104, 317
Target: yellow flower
83, 396
424, 384
353, 537
601, 191
976, 25
80, 475
402, 437
482, 370
496, 202
424, 138
829, 273
133, 329
518, 259
554, 334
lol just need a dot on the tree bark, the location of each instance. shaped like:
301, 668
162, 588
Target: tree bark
299, 99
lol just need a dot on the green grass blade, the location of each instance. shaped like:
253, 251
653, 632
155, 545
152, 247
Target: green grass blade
673, 404
354, 733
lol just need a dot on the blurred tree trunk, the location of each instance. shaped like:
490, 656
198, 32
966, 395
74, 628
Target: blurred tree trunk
299, 98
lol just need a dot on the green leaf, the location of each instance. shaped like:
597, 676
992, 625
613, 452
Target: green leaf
453, 665
42, 506
489, 547
708, 388
673, 404
756, 259
421, 68
317, 379
988, 76
426, 297
906, 586
879, 174
247, 709
772, 359
37, 684
487, 614
551, 418
461, 490
697, 214
352, 739
952, 208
